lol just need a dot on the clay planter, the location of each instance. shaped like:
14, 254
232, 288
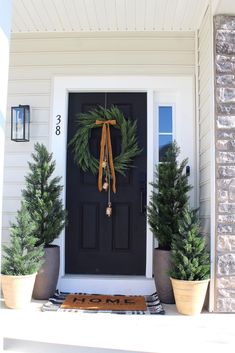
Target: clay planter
17, 290
161, 268
189, 295
47, 277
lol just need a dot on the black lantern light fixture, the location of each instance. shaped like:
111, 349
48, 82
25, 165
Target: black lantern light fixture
20, 119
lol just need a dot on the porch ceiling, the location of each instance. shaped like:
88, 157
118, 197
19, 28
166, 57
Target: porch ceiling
106, 15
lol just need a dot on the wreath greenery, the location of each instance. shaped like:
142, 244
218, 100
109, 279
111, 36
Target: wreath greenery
80, 141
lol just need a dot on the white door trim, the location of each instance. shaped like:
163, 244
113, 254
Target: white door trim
62, 85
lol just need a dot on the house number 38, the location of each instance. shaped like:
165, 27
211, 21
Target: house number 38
58, 127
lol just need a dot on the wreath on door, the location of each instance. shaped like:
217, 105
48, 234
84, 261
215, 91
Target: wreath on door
107, 166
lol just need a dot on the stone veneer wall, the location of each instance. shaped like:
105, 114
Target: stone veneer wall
224, 48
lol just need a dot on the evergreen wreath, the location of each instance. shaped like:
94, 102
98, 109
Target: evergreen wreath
80, 141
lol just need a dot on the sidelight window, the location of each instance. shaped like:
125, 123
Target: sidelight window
165, 124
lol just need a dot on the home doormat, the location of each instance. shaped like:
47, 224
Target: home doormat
96, 303
104, 302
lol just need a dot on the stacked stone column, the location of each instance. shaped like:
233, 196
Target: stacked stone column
224, 48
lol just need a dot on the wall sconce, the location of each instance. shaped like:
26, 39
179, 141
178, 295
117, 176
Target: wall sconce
20, 119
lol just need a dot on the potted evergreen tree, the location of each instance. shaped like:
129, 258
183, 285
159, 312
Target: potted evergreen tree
21, 261
42, 198
190, 265
167, 202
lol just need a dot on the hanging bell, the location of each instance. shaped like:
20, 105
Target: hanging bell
109, 210
106, 186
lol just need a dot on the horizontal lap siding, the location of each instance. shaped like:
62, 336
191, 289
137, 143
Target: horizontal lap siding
36, 58
205, 122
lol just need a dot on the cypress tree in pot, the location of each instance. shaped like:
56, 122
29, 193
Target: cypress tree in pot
190, 265
21, 261
42, 198
167, 202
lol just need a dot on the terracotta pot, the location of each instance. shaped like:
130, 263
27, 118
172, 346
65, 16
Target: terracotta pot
17, 290
161, 268
47, 277
189, 295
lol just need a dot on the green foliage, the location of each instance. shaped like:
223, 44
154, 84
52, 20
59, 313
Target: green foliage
22, 257
80, 141
42, 196
190, 259
169, 197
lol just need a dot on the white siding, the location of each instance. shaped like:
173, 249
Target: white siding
205, 119
36, 58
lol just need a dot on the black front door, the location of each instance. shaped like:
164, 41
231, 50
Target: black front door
96, 244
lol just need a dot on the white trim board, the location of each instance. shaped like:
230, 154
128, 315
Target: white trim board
179, 90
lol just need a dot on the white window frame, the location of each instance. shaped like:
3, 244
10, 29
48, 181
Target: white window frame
62, 85
165, 104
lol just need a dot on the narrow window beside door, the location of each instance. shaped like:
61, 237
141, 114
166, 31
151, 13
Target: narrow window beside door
165, 124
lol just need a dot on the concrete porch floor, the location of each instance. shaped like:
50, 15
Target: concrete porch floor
31, 330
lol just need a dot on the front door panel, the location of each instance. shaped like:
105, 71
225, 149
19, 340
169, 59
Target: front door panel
96, 244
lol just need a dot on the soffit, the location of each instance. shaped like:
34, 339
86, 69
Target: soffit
106, 15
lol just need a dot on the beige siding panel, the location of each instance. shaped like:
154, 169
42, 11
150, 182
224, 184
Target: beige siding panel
7, 219
103, 35
203, 77
102, 58
11, 204
205, 159
36, 130
205, 208
205, 225
203, 99
204, 111
103, 44
205, 143
5, 235
205, 175
204, 127
205, 122
12, 146
204, 64
206, 164
13, 190
30, 87
39, 115
17, 159
203, 40
14, 174
37, 72
36, 58
205, 192
204, 56
204, 89
203, 29
34, 100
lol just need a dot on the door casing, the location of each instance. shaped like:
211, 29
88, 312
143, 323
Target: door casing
175, 90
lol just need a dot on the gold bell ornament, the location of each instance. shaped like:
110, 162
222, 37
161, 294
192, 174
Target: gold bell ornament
109, 210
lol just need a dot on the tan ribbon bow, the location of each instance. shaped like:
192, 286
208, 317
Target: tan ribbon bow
106, 138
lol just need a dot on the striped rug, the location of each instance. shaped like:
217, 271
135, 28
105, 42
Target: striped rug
153, 305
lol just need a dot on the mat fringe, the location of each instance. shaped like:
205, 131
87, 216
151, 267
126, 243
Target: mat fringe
154, 306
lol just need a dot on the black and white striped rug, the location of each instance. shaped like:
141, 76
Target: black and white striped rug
152, 301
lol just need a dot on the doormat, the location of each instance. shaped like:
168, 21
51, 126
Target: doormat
96, 303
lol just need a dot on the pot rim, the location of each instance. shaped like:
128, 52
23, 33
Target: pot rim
186, 281
51, 246
163, 250
19, 276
